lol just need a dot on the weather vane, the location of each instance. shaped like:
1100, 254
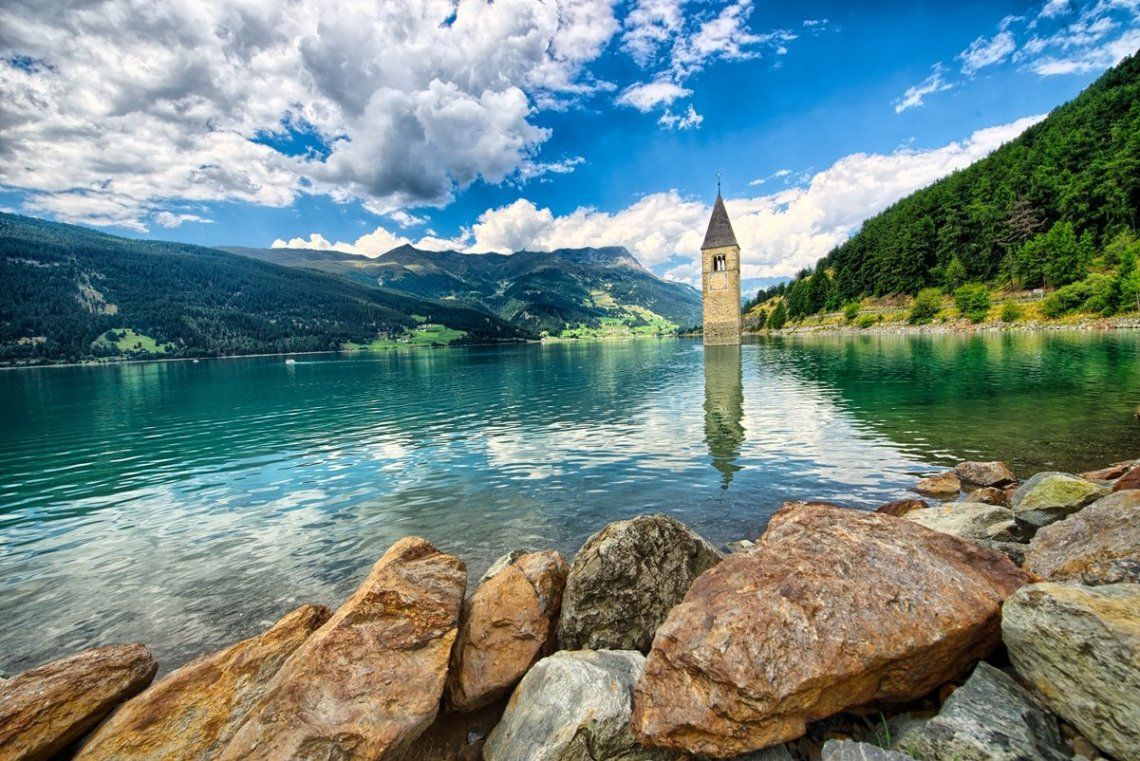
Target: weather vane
718, 183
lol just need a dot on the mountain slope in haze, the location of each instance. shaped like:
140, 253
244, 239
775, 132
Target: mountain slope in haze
1066, 189
538, 290
70, 293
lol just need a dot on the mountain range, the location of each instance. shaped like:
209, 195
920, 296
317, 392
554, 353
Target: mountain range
539, 291
72, 294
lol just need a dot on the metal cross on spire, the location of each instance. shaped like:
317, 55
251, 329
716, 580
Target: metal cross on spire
718, 183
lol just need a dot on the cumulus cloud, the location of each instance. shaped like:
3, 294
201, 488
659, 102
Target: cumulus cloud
779, 233
170, 220
373, 244
916, 95
111, 109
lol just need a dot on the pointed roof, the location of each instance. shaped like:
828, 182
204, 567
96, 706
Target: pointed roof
720, 229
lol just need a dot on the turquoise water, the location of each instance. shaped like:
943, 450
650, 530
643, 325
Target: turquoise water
187, 505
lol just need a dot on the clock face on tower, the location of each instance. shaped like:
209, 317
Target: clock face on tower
718, 281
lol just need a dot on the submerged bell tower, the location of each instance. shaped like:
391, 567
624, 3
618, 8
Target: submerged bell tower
720, 278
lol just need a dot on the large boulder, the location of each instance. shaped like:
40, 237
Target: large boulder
369, 680
834, 609
1098, 545
995, 474
573, 706
942, 486
46, 709
1079, 648
967, 520
989, 718
901, 507
626, 578
193, 712
1051, 496
507, 624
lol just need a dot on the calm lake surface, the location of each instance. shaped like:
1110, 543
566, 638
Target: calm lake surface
188, 505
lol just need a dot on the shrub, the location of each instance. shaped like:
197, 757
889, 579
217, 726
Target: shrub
1064, 300
1011, 311
865, 321
851, 311
926, 305
779, 316
973, 300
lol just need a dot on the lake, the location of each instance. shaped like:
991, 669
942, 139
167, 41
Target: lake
188, 505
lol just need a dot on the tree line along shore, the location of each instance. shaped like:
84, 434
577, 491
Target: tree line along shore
991, 619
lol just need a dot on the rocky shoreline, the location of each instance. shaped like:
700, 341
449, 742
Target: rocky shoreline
1001, 621
902, 327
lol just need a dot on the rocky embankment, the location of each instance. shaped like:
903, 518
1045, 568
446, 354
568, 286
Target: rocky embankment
1000, 623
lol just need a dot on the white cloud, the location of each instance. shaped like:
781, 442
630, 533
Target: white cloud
123, 108
815, 22
1054, 8
779, 233
646, 96
404, 219
688, 120
982, 52
675, 39
170, 220
1096, 59
371, 244
916, 95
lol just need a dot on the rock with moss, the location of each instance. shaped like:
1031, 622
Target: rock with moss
1098, 545
1049, 497
967, 520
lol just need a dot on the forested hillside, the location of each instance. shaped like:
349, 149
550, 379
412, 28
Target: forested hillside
70, 293
559, 291
1056, 206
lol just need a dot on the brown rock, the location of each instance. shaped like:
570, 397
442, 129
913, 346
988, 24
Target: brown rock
369, 680
901, 507
1111, 473
45, 709
989, 495
1098, 545
509, 623
985, 473
943, 486
834, 609
1130, 480
193, 712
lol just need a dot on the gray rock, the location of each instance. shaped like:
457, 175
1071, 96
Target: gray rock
501, 564
989, 718
995, 473
573, 706
849, 750
1078, 647
1098, 545
1015, 551
740, 545
626, 579
966, 520
1051, 496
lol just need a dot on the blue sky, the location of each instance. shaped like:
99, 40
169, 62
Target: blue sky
523, 124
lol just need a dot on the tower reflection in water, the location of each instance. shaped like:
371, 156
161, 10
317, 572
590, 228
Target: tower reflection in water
724, 409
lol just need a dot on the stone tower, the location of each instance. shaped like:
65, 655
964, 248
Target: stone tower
720, 279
